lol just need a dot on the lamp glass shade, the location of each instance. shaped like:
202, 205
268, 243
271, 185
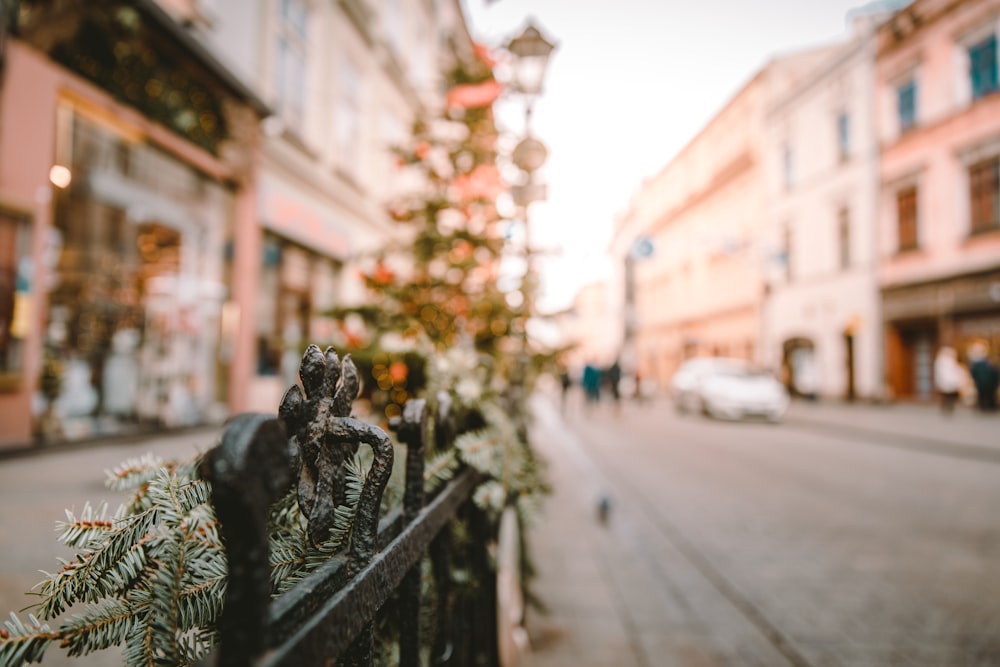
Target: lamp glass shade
531, 53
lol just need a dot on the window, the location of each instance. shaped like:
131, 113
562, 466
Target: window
844, 236
906, 105
984, 199
843, 135
348, 121
14, 296
290, 65
906, 217
983, 67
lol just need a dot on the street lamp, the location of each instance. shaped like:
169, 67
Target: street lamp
530, 51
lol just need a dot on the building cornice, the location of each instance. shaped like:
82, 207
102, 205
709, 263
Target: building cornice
904, 25
724, 176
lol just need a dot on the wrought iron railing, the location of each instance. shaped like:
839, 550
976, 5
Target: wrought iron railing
330, 617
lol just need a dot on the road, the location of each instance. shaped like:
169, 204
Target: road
758, 544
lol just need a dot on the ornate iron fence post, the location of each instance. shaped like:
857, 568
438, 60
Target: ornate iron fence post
412, 430
248, 470
327, 436
328, 617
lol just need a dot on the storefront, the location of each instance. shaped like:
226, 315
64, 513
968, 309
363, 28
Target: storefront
920, 318
302, 263
136, 294
127, 190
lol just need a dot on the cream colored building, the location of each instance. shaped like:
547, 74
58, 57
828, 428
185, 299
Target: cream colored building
821, 328
700, 290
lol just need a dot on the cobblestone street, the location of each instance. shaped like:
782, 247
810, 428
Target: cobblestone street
833, 539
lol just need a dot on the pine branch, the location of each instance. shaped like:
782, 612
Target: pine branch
21, 644
440, 469
164, 614
139, 646
100, 626
478, 449
105, 571
134, 473
92, 525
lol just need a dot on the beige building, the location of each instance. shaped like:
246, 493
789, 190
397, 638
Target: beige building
939, 238
700, 288
821, 328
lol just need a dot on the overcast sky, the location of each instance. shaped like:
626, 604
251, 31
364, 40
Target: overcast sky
632, 82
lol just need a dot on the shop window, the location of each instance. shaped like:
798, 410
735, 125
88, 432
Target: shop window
906, 218
984, 195
14, 297
983, 67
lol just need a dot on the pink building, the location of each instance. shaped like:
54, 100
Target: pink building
939, 128
127, 215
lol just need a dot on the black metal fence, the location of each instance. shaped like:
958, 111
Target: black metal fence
377, 581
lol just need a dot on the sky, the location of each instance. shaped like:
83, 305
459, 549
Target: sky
630, 83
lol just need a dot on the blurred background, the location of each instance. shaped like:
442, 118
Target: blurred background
190, 189
777, 209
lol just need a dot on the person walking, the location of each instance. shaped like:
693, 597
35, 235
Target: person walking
567, 382
949, 377
591, 382
614, 377
985, 376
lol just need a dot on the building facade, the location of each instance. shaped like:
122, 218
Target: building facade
939, 238
698, 291
347, 80
186, 188
124, 178
821, 328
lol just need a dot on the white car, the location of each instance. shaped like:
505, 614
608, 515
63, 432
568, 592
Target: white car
727, 388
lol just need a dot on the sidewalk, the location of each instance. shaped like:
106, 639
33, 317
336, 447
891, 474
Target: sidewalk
583, 624
917, 423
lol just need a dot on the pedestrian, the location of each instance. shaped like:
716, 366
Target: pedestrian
591, 382
985, 376
614, 374
566, 382
637, 389
949, 377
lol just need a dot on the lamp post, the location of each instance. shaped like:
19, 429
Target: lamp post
531, 52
